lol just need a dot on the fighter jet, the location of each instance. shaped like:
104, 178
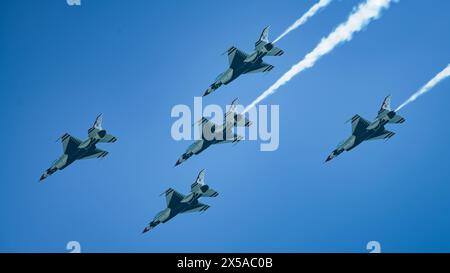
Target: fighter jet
363, 130
75, 149
217, 134
242, 63
178, 203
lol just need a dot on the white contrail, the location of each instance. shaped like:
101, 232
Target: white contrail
427, 87
358, 19
310, 13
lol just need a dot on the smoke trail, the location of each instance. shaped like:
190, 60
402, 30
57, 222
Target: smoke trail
358, 19
310, 13
427, 87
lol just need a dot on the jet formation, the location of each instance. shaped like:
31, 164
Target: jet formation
76, 149
212, 133
216, 134
363, 130
243, 63
178, 203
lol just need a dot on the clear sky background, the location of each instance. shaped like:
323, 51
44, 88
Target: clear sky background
133, 61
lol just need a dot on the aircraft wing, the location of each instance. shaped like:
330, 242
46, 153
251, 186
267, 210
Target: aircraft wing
207, 126
382, 135
359, 124
206, 122
262, 67
97, 153
236, 57
173, 197
197, 208
70, 143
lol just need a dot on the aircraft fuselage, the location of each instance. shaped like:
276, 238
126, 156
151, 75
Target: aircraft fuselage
367, 133
175, 209
75, 154
233, 73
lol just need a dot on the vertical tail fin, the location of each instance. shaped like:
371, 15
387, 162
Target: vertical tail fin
387, 113
232, 118
386, 106
265, 46
263, 38
96, 127
201, 188
98, 133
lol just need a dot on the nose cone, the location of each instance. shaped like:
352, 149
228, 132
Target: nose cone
208, 91
146, 229
329, 157
179, 161
43, 177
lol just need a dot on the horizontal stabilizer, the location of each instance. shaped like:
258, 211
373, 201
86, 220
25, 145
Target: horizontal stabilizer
275, 51
210, 193
108, 139
397, 119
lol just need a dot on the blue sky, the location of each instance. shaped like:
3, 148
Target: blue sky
134, 60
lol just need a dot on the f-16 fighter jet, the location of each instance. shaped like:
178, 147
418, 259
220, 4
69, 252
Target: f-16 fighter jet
178, 203
242, 63
217, 134
363, 130
75, 149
